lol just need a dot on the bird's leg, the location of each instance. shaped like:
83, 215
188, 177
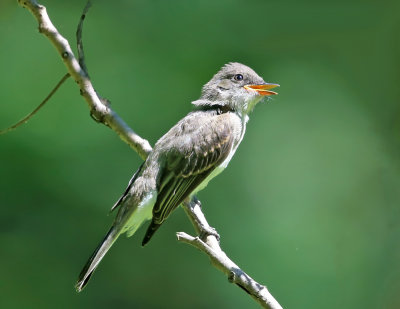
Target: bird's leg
193, 210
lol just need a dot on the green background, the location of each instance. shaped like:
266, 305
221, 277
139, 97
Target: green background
309, 206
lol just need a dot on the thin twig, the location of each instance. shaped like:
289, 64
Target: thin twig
81, 54
30, 115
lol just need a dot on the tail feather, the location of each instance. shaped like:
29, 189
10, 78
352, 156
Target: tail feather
96, 257
153, 227
129, 218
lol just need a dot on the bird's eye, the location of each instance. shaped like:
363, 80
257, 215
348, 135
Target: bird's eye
238, 77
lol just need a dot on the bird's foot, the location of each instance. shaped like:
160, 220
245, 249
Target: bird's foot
209, 231
193, 210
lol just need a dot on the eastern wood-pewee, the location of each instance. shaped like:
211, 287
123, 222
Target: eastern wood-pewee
187, 157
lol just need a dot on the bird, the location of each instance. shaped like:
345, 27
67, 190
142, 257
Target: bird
187, 157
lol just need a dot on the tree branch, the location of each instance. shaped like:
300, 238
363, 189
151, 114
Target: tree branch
208, 241
99, 111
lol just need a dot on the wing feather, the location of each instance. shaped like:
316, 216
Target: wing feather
189, 164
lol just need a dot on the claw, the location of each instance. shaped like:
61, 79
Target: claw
209, 231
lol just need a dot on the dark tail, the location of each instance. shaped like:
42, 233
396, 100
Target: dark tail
153, 227
96, 257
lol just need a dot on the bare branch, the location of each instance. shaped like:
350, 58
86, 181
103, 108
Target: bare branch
99, 111
208, 241
30, 115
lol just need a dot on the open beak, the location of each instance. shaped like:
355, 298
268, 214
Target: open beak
262, 89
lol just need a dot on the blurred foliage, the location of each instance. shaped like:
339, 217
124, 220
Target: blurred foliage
310, 204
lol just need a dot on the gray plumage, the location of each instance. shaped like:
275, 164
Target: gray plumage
187, 157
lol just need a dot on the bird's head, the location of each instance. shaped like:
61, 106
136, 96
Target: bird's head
236, 86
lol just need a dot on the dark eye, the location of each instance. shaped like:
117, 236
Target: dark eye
238, 77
